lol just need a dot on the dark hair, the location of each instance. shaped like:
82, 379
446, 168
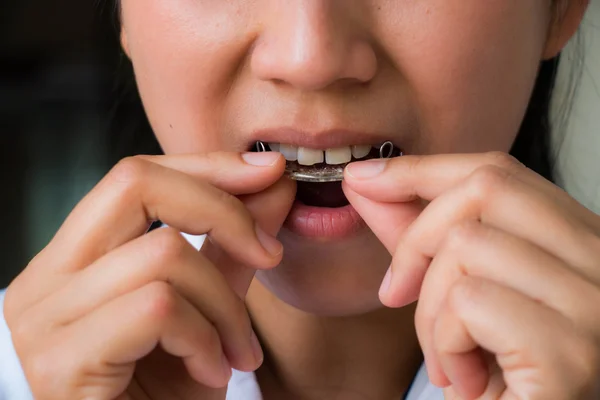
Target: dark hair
532, 145
132, 133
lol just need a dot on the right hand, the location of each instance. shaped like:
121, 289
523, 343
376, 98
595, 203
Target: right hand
108, 312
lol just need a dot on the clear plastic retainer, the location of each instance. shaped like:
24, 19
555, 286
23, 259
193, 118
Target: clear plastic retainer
326, 173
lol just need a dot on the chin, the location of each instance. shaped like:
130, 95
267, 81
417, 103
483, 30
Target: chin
324, 278
321, 300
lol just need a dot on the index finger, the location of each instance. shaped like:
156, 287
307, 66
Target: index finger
231, 172
138, 191
407, 178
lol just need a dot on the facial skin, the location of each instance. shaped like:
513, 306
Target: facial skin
437, 76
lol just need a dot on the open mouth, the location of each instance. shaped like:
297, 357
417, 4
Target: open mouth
319, 173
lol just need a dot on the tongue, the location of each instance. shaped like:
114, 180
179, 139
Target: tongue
328, 194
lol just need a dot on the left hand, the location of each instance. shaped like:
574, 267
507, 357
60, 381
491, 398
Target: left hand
506, 268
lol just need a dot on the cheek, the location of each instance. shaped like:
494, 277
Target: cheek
175, 43
471, 66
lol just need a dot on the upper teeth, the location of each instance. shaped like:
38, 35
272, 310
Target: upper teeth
289, 152
340, 155
361, 151
308, 156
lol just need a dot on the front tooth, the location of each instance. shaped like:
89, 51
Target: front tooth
361, 151
341, 155
274, 146
289, 152
309, 156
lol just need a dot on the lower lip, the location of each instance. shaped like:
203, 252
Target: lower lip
322, 222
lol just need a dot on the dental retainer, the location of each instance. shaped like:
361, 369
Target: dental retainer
326, 172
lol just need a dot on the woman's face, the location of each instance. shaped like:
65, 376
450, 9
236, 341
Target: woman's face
433, 76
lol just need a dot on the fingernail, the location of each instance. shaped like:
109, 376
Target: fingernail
387, 282
264, 159
256, 348
227, 372
366, 169
268, 242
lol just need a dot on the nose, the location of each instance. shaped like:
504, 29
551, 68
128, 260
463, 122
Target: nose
312, 44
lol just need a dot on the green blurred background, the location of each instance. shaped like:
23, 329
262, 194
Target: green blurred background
58, 61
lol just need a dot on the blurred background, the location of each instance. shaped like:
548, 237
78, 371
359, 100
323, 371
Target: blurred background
58, 63
58, 68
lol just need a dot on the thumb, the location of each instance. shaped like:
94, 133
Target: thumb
269, 209
388, 221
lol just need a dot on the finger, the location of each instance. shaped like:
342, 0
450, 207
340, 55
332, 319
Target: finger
409, 177
138, 191
99, 351
269, 209
234, 173
406, 178
498, 200
131, 326
388, 221
539, 351
477, 250
161, 256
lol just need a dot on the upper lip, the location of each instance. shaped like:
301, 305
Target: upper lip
326, 139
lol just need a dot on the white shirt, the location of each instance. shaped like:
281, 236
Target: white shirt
243, 385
